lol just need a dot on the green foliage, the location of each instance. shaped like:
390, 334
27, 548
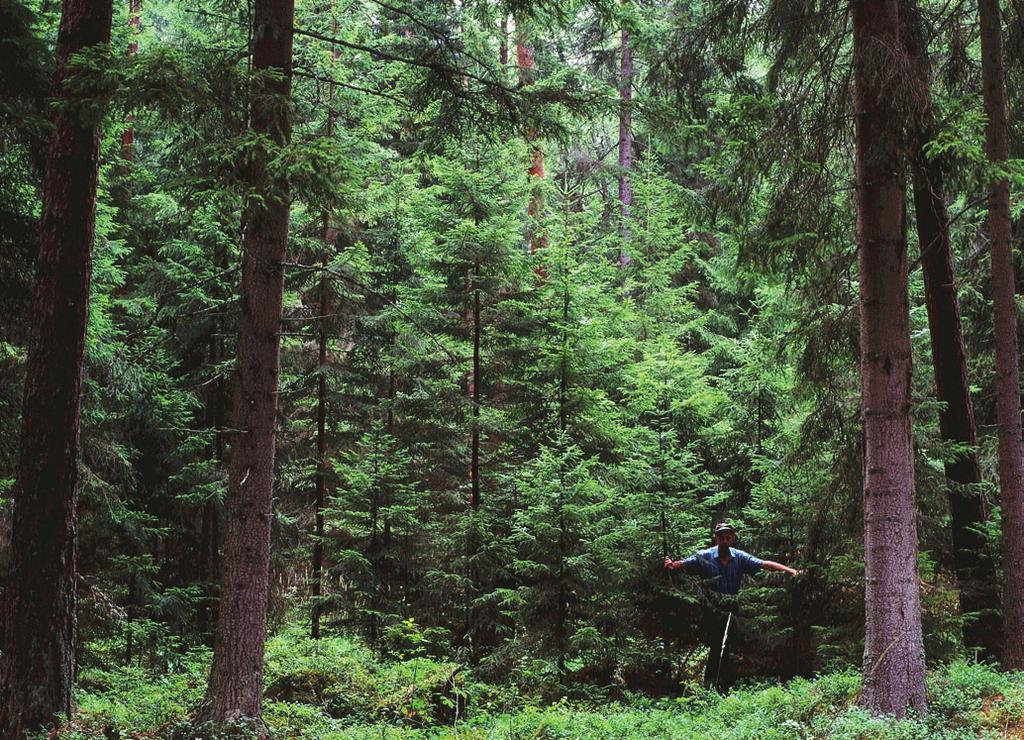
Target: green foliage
334, 688
620, 405
137, 697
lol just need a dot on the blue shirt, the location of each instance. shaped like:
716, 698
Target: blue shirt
726, 579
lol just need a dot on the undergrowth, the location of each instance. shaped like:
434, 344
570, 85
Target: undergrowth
336, 688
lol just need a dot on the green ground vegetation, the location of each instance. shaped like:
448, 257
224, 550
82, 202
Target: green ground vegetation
338, 688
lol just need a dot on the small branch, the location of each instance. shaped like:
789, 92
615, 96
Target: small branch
388, 56
301, 71
225, 430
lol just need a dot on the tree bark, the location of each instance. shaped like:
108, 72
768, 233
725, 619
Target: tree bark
320, 497
328, 236
474, 391
893, 671
209, 536
974, 565
39, 622
524, 61
235, 690
625, 141
1004, 305
135, 26
503, 41
561, 624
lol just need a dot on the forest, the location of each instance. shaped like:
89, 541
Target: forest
391, 369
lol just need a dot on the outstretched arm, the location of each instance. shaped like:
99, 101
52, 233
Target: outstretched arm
772, 565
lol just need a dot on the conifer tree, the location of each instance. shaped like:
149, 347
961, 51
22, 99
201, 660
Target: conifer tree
625, 137
134, 25
893, 670
976, 573
528, 75
1004, 305
37, 664
235, 691
329, 236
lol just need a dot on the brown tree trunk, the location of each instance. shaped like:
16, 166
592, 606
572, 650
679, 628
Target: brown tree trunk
974, 565
474, 327
561, 624
1004, 305
320, 496
38, 648
209, 536
236, 678
135, 26
524, 61
474, 391
328, 235
893, 671
503, 42
625, 141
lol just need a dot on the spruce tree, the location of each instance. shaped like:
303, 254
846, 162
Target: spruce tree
39, 618
893, 671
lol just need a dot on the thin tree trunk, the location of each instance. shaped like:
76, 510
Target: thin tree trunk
893, 672
236, 678
975, 568
328, 236
135, 27
209, 533
390, 428
473, 323
535, 208
1011, 448
561, 626
625, 142
320, 496
373, 555
503, 42
39, 623
474, 390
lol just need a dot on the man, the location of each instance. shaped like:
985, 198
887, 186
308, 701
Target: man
721, 569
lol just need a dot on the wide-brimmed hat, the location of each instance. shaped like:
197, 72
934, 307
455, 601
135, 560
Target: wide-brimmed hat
724, 527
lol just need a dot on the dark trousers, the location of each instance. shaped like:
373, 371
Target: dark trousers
720, 674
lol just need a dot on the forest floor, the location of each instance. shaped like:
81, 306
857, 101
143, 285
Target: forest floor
335, 688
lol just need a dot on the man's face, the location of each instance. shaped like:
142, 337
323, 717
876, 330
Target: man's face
725, 539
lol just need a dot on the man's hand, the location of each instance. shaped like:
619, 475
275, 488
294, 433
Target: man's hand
671, 564
772, 565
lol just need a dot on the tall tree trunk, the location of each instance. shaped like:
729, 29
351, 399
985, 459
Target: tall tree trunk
236, 678
1004, 305
893, 671
38, 648
474, 391
625, 142
320, 497
561, 624
135, 27
474, 327
975, 568
328, 235
503, 41
209, 536
524, 61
